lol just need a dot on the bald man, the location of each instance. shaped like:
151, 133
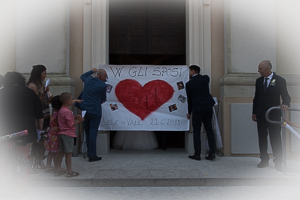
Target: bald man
93, 95
269, 88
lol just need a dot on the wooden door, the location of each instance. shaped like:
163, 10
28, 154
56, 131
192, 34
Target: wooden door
166, 27
147, 27
128, 27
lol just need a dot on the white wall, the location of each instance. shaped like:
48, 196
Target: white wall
250, 34
7, 36
295, 117
41, 35
244, 136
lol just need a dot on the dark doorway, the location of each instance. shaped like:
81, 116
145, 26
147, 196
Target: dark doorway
148, 32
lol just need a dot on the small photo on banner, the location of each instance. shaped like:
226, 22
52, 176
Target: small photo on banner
180, 85
113, 106
172, 107
108, 88
182, 98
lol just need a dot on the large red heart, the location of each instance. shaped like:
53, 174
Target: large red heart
143, 100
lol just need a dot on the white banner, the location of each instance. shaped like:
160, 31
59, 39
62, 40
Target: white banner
145, 97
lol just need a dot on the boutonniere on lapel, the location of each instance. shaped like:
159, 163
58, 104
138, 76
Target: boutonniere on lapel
273, 82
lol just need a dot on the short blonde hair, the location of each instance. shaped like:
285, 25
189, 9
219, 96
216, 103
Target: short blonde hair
65, 97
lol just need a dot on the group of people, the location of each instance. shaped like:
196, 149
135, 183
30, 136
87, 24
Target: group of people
269, 90
25, 106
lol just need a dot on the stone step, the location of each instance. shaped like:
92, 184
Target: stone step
157, 168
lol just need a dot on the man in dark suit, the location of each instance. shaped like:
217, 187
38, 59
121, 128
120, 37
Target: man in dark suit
200, 103
93, 95
268, 90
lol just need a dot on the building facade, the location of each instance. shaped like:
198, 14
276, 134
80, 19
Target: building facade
227, 38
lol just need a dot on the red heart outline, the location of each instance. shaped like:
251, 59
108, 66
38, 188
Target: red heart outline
142, 101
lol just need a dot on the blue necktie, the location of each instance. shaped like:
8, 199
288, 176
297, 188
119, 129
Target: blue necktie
266, 84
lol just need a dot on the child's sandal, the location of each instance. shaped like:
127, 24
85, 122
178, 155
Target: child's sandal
49, 169
72, 174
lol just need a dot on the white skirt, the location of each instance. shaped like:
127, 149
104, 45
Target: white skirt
135, 140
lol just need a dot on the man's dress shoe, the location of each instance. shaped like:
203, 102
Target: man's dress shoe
263, 164
195, 157
210, 157
95, 159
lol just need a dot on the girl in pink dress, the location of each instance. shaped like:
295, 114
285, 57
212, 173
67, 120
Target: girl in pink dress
51, 143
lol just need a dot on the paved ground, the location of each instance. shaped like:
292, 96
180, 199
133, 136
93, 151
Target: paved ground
158, 193
157, 174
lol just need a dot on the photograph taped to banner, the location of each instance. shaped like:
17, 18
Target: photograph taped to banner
139, 98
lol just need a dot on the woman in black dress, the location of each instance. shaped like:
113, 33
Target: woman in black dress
36, 83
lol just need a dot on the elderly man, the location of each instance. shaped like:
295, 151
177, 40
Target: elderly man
268, 90
93, 95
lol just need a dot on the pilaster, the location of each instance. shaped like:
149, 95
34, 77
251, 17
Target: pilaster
199, 34
95, 31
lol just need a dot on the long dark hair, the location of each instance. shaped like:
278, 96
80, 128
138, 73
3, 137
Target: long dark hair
35, 75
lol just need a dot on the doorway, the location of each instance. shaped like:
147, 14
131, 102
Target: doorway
148, 32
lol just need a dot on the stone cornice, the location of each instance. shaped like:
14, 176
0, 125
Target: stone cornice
248, 79
57, 79
238, 79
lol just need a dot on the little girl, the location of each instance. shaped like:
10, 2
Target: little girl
51, 143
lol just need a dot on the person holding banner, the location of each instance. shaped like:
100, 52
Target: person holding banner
93, 95
268, 90
200, 104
